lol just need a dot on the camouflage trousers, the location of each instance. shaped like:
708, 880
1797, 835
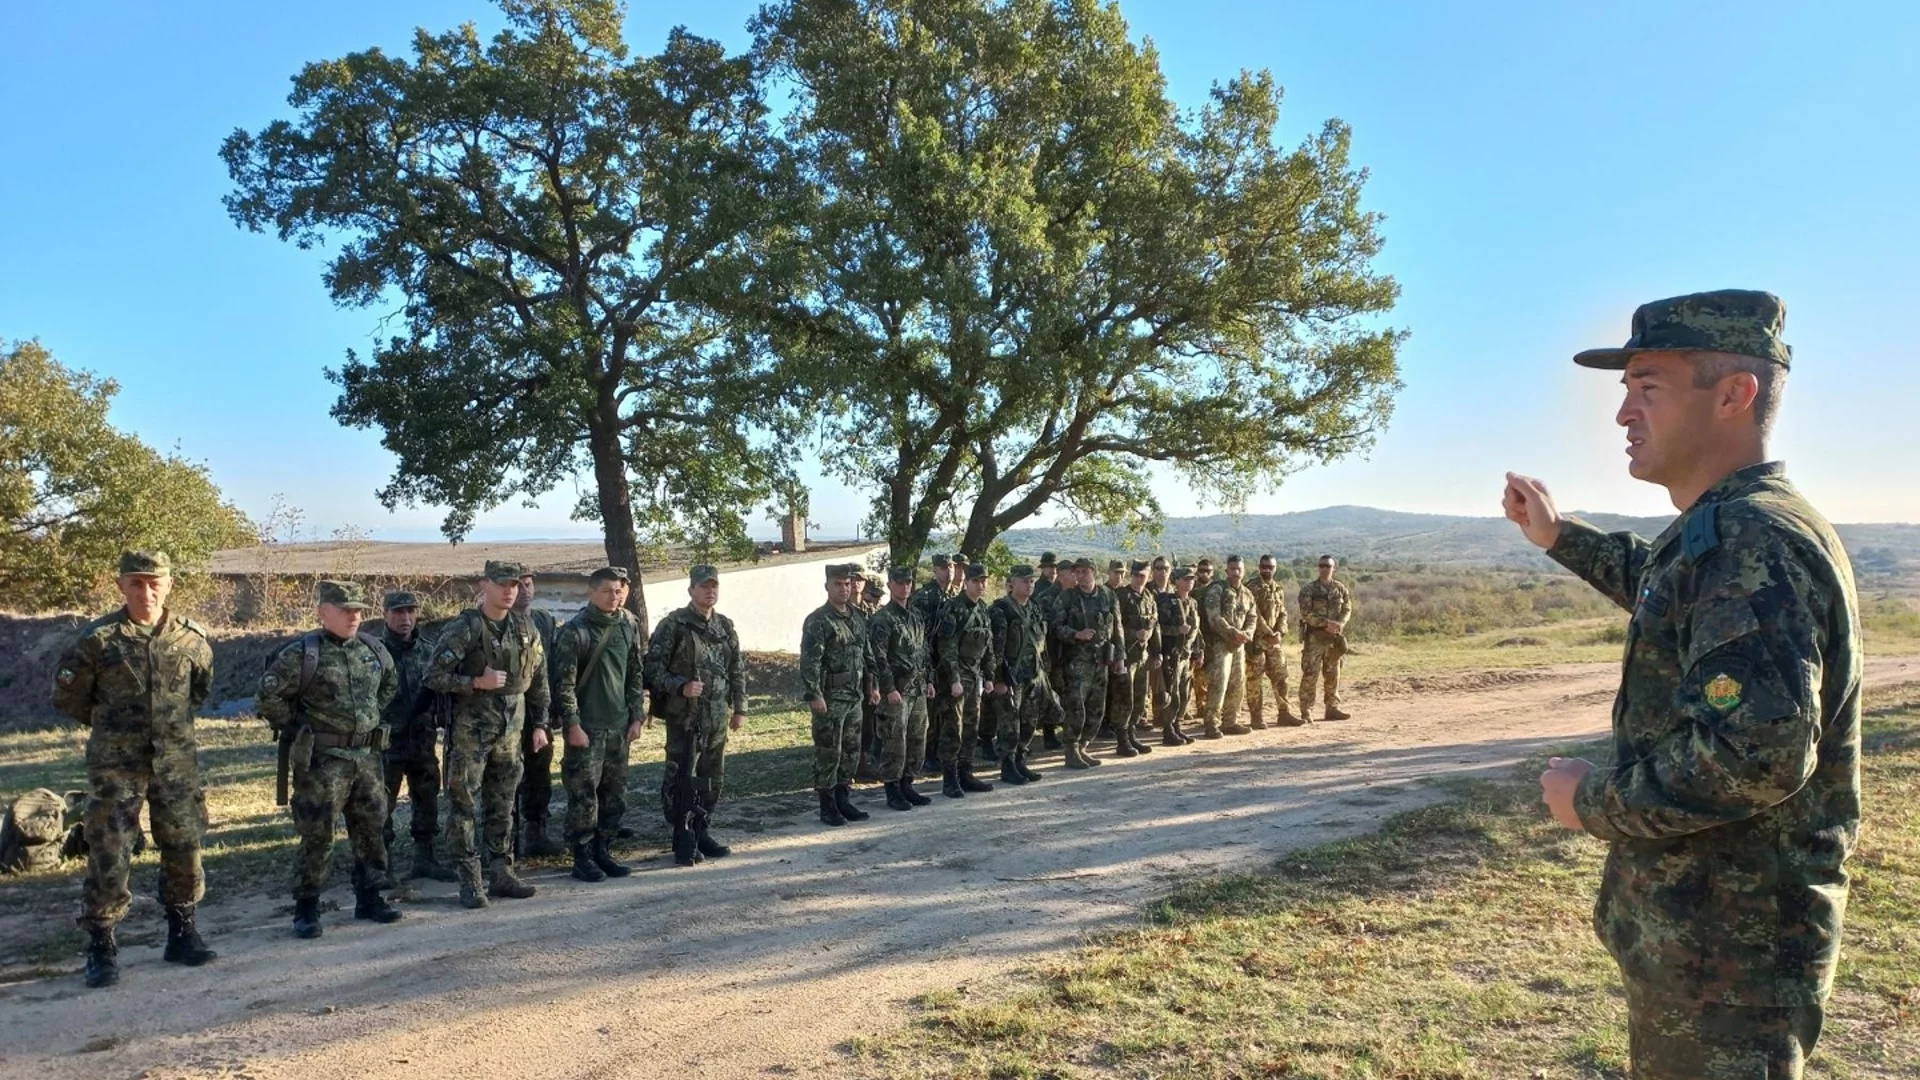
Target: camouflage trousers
902, 733
595, 776
1263, 667
1197, 697
1176, 689
1020, 712
334, 787
1226, 684
483, 770
960, 721
535, 798
705, 760
420, 773
124, 770
1085, 702
1119, 704
1320, 657
1695, 1040
836, 743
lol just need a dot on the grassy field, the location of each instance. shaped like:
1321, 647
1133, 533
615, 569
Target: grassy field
1451, 945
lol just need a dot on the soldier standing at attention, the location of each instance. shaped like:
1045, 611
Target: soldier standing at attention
1045, 591
698, 678
833, 677
1140, 636
325, 693
135, 679
1228, 614
898, 640
411, 756
1265, 662
1158, 584
867, 597
1018, 678
600, 700
1119, 689
1086, 628
531, 838
1049, 580
927, 600
1733, 799
1202, 584
1179, 649
961, 639
1325, 608
491, 660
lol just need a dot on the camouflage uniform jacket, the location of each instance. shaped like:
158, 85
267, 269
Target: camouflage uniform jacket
1734, 797
615, 693
927, 601
1042, 589
1179, 625
898, 639
962, 639
1139, 611
833, 654
411, 710
352, 684
687, 644
1270, 608
1074, 611
1019, 640
1322, 602
469, 645
116, 677
1227, 610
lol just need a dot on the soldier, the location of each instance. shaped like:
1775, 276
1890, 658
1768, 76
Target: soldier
1179, 649
1227, 614
928, 599
898, 643
135, 679
958, 582
1202, 584
1325, 608
697, 677
1049, 581
1158, 584
1016, 668
1086, 628
1733, 798
531, 838
834, 677
323, 695
868, 597
1140, 635
491, 660
600, 701
1045, 591
961, 640
411, 756
1119, 687
1265, 662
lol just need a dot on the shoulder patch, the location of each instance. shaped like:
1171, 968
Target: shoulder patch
1701, 534
193, 626
1723, 692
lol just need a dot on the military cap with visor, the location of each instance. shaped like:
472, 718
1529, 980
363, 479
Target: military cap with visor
1083, 563
502, 572
1182, 573
343, 594
842, 571
1020, 570
976, 571
1048, 558
941, 559
702, 574
901, 573
146, 564
1744, 322
400, 600
1139, 567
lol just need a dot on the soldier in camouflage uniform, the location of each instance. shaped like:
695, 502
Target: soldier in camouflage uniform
1202, 584
1733, 798
898, 642
1017, 673
1048, 582
1158, 585
1086, 628
324, 694
1266, 663
411, 757
135, 679
834, 679
535, 798
600, 702
1119, 686
491, 660
697, 677
1045, 589
927, 600
1326, 606
962, 638
1140, 649
1179, 651
1228, 619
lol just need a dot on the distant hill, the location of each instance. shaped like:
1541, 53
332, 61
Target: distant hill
1365, 535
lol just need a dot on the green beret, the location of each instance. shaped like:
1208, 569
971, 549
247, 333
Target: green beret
146, 563
343, 594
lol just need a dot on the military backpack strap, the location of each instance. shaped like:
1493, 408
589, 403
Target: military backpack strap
1700, 536
309, 661
594, 653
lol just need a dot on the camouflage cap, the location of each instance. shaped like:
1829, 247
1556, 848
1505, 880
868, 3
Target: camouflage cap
1116, 564
1083, 563
1020, 570
959, 558
343, 594
1182, 573
1740, 321
1139, 566
977, 571
1048, 558
901, 573
941, 559
502, 572
146, 564
701, 574
842, 571
397, 600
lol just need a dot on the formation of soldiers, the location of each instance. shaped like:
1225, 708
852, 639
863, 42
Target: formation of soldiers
929, 681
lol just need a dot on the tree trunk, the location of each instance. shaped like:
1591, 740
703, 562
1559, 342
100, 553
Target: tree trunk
616, 504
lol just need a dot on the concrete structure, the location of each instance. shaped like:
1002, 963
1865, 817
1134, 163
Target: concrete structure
793, 533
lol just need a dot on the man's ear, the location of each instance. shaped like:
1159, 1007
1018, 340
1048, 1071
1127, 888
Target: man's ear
1737, 394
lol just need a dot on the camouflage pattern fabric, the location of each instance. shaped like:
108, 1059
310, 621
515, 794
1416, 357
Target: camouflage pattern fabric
603, 702
1019, 659
1140, 634
536, 772
411, 758
687, 644
1735, 798
897, 638
137, 689
1179, 631
961, 641
1266, 662
1227, 610
1669, 1039
329, 788
1322, 602
595, 778
833, 666
1084, 664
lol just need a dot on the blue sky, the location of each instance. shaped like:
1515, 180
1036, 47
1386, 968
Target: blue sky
1543, 168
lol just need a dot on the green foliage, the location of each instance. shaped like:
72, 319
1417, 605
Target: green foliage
1034, 275
566, 226
75, 491
1397, 605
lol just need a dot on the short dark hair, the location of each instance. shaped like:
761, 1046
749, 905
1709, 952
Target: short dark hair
1328, 558
608, 573
1710, 367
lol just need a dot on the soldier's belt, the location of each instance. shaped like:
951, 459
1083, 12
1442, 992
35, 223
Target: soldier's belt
841, 680
373, 740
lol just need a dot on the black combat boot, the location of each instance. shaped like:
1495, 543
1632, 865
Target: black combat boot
184, 943
1086, 755
705, 844
584, 867
1009, 772
1074, 758
829, 810
1170, 735
103, 959
425, 865
306, 916
912, 796
608, 865
1133, 740
895, 800
1049, 740
1123, 748
536, 842
369, 904
684, 851
843, 799
950, 783
1020, 766
970, 783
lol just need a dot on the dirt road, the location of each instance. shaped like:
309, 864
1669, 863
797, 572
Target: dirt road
767, 962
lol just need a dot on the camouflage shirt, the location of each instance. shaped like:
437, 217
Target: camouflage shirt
962, 639
1322, 602
688, 645
469, 645
1228, 609
927, 600
614, 693
1179, 625
410, 710
898, 640
1019, 640
1270, 611
120, 677
833, 654
1074, 611
1734, 798
1139, 623
352, 682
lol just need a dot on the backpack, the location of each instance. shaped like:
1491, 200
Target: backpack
309, 644
32, 832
